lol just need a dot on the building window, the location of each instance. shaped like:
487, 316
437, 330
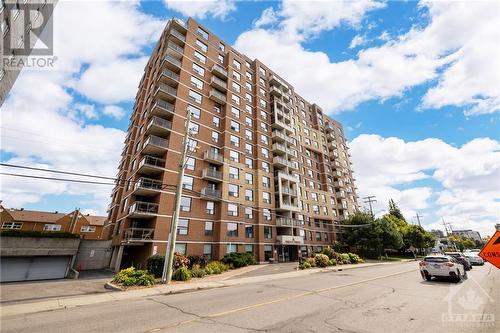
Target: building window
52, 227
207, 251
234, 173
236, 87
248, 134
190, 163
198, 69
185, 204
187, 182
221, 46
180, 248
265, 167
196, 82
266, 212
12, 225
232, 209
210, 207
266, 197
249, 212
248, 149
87, 228
234, 156
202, 46
215, 136
216, 121
249, 231
235, 141
248, 195
235, 99
249, 178
209, 228
202, 33
233, 190
249, 248
235, 112
236, 64
231, 248
195, 112
318, 236
194, 96
268, 252
182, 227
268, 232
264, 152
248, 162
200, 57
266, 181
235, 126
232, 229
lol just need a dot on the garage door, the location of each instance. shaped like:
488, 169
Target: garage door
33, 268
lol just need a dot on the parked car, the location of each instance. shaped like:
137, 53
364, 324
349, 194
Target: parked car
474, 259
461, 259
442, 266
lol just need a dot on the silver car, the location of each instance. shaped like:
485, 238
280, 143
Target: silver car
474, 259
442, 266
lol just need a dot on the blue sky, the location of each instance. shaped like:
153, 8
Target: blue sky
418, 97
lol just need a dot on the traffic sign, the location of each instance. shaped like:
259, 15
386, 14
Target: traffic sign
491, 251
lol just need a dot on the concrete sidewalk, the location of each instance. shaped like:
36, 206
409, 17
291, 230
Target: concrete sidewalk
217, 281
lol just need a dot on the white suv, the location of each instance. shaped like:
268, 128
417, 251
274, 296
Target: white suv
442, 266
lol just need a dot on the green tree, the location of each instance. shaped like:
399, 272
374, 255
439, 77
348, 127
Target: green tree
388, 233
395, 211
416, 236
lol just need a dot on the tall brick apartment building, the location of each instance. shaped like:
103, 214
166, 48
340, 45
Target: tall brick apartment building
267, 172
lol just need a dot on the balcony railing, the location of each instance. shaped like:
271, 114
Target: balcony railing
287, 239
287, 222
156, 141
175, 48
214, 157
150, 161
160, 123
220, 84
210, 193
219, 71
217, 96
178, 35
171, 59
143, 208
138, 234
211, 173
167, 89
169, 74
288, 190
163, 106
148, 184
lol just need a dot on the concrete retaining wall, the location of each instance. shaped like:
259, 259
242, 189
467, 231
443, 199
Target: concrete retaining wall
38, 246
93, 254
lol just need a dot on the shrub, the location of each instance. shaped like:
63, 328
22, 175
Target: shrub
155, 265
321, 260
197, 271
237, 260
132, 277
180, 260
201, 261
307, 265
330, 253
216, 267
332, 262
311, 262
344, 258
182, 274
354, 258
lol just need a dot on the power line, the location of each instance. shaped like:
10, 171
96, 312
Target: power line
369, 199
57, 171
57, 179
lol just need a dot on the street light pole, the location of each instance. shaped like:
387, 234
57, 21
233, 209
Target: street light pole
169, 256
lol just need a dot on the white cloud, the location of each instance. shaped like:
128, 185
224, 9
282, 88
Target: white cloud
114, 111
120, 84
202, 8
44, 124
358, 40
465, 65
268, 17
469, 177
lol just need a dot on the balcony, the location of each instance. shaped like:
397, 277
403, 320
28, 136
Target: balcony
154, 145
290, 240
219, 71
329, 128
147, 187
138, 235
217, 96
166, 92
279, 148
218, 83
178, 36
279, 124
211, 174
274, 91
169, 77
279, 136
175, 50
287, 222
213, 157
211, 194
142, 209
289, 191
179, 24
280, 162
158, 126
274, 80
150, 165
173, 63
287, 205
163, 109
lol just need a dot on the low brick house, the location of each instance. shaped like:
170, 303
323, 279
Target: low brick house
87, 226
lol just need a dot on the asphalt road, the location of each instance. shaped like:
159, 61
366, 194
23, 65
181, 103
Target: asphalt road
389, 298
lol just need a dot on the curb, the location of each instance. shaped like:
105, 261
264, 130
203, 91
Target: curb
111, 286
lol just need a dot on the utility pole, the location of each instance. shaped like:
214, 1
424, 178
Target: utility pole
369, 200
418, 216
169, 256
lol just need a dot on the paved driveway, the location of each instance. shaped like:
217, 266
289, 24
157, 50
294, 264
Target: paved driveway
90, 282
